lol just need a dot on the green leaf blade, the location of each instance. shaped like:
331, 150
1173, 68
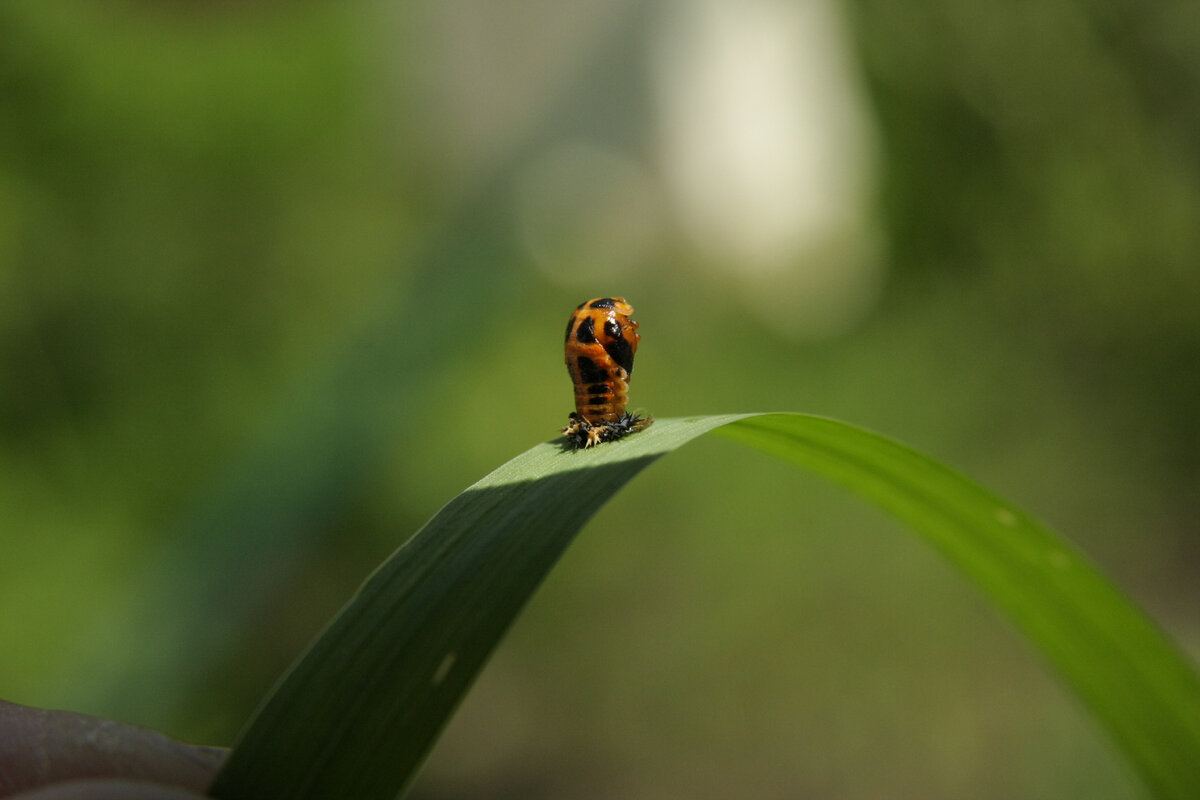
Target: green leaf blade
1124, 668
358, 713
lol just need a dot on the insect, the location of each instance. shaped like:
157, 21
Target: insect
601, 342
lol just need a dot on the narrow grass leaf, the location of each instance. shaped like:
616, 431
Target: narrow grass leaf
359, 711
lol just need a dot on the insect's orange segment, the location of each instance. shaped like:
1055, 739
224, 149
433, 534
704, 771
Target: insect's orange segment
601, 341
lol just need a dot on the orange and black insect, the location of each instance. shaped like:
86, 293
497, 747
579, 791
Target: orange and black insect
601, 342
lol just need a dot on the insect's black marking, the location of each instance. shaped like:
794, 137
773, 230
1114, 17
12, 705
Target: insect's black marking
598, 390
586, 332
621, 352
603, 302
589, 372
570, 324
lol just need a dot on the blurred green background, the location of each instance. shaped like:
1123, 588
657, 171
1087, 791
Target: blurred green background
279, 280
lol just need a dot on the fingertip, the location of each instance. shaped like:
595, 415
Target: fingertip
107, 789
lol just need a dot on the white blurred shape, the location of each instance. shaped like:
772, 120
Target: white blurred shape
769, 157
586, 213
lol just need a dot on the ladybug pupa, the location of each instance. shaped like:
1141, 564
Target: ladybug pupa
601, 341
